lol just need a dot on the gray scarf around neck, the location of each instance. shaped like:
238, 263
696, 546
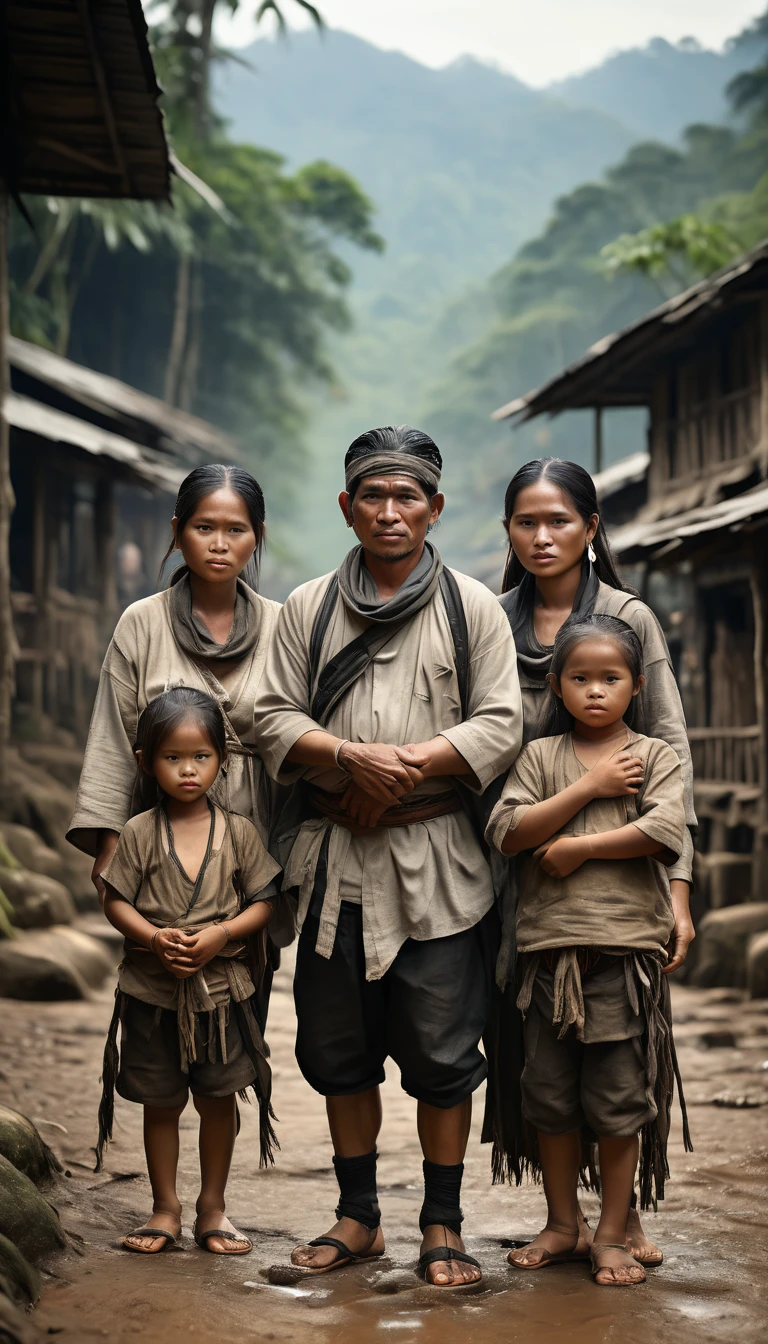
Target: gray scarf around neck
193, 636
361, 596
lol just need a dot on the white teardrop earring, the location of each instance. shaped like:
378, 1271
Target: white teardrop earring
591, 554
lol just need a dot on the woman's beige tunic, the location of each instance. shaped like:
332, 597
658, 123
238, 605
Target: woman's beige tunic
429, 879
142, 661
622, 903
659, 711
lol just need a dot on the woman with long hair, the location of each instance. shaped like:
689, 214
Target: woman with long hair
559, 563
209, 630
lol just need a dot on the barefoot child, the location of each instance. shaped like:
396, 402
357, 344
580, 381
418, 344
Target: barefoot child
191, 887
594, 815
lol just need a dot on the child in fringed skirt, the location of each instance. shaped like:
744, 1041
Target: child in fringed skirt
594, 815
192, 889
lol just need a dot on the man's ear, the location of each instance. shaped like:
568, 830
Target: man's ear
639, 684
142, 766
437, 504
345, 504
554, 684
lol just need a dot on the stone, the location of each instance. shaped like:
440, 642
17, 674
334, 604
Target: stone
723, 937
37, 901
23, 1146
29, 849
52, 964
19, 1280
757, 966
15, 1326
26, 1217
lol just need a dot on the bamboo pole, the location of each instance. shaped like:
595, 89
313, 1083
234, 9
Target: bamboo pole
7, 641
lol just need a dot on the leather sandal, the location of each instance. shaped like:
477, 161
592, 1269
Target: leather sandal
447, 1254
168, 1240
345, 1256
202, 1239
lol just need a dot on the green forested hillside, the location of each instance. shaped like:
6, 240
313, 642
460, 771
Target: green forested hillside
660, 88
556, 297
462, 165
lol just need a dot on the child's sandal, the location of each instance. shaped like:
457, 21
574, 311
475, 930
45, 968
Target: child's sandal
156, 1233
202, 1239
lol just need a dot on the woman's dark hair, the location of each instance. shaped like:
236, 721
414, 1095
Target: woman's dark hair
203, 481
577, 485
395, 439
163, 714
578, 628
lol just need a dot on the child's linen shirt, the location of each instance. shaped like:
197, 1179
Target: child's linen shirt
606, 902
146, 874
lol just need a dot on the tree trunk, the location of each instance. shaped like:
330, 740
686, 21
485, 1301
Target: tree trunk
189, 376
179, 332
7, 638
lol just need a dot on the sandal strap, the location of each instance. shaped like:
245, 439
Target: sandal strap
446, 1253
200, 1237
344, 1251
153, 1232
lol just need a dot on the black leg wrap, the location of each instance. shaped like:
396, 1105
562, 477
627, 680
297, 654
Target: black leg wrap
357, 1186
442, 1196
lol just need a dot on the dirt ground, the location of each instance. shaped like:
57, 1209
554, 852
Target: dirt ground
712, 1227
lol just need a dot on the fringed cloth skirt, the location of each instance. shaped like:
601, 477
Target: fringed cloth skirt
593, 1028
228, 1055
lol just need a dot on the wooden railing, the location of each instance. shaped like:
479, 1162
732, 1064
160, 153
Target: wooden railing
729, 755
722, 432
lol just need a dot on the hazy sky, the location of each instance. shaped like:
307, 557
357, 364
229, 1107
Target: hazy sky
537, 40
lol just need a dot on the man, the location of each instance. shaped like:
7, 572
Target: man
362, 700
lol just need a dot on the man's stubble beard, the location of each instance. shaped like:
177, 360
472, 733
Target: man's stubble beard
393, 559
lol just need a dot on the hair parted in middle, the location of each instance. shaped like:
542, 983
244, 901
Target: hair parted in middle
577, 486
165, 713
576, 630
395, 439
206, 480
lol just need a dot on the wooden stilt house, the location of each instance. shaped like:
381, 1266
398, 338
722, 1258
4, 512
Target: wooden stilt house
699, 363
95, 466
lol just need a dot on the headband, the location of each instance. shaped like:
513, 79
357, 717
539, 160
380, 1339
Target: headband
393, 464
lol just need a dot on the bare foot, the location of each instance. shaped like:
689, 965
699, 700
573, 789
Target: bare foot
639, 1245
362, 1241
447, 1273
162, 1218
207, 1219
613, 1266
586, 1236
551, 1246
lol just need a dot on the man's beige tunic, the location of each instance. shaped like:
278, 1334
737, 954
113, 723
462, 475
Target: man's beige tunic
618, 903
429, 879
142, 661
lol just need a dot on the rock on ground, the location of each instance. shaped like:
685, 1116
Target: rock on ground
51, 964
723, 937
26, 1217
757, 966
38, 901
24, 1148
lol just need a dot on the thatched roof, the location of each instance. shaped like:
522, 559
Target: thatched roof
619, 370
50, 379
78, 109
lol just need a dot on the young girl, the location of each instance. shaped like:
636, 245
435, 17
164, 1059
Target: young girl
595, 813
190, 886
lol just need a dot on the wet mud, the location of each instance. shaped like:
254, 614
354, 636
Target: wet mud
713, 1225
